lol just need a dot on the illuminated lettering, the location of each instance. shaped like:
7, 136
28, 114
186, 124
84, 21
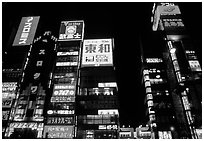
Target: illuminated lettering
42, 51
39, 63
36, 75
33, 89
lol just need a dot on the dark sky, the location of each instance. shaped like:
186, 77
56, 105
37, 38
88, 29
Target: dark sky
123, 21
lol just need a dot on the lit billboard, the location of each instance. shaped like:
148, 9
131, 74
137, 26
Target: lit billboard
97, 52
168, 9
60, 120
64, 90
62, 99
71, 30
58, 132
26, 31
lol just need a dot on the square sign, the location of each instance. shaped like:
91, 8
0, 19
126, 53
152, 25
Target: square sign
97, 52
71, 30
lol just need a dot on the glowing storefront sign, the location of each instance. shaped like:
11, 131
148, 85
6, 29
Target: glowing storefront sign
71, 30
26, 31
58, 132
60, 112
67, 53
168, 9
107, 84
154, 60
5, 115
9, 86
64, 86
66, 63
195, 65
97, 52
32, 125
110, 111
108, 127
63, 75
63, 92
165, 134
62, 99
6, 103
60, 120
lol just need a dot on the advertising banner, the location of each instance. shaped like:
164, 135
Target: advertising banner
71, 30
60, 120
9, 86
5, 115
97, 52
6, 103
60, 112
168, 10
58, 132
195, 65
63, 99
26, 31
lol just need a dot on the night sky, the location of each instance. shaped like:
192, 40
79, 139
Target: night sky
126, 22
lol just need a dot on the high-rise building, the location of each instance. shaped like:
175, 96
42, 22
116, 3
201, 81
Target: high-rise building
172, 77
97, 100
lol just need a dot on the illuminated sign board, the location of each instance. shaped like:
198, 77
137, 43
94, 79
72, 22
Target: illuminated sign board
60, 112
108, 127
165, 134
63, 86
60, 120
62, 75
110, 111
153, 60
67, 53
32, 125
97, 52
69, 106
58, 132
5, 115
9, 86
107, 84
71, 30
66, 63
62, 99
195, 65
168, 9
6, 103
26, 31
8, 95
63, 92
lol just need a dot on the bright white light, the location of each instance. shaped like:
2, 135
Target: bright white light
173, 50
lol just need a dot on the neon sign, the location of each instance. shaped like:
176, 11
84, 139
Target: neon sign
63, 92
60, 120
60, 112
63, 99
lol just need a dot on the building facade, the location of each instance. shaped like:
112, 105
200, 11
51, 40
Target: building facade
182, 72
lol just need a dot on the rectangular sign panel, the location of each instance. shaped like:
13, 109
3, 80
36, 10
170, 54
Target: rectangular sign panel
97, 52
60, 120
58, 132
168, 10
63, 99
71, 30
26, 31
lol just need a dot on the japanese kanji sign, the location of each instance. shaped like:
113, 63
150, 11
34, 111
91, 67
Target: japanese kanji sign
97, 52
71, 30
